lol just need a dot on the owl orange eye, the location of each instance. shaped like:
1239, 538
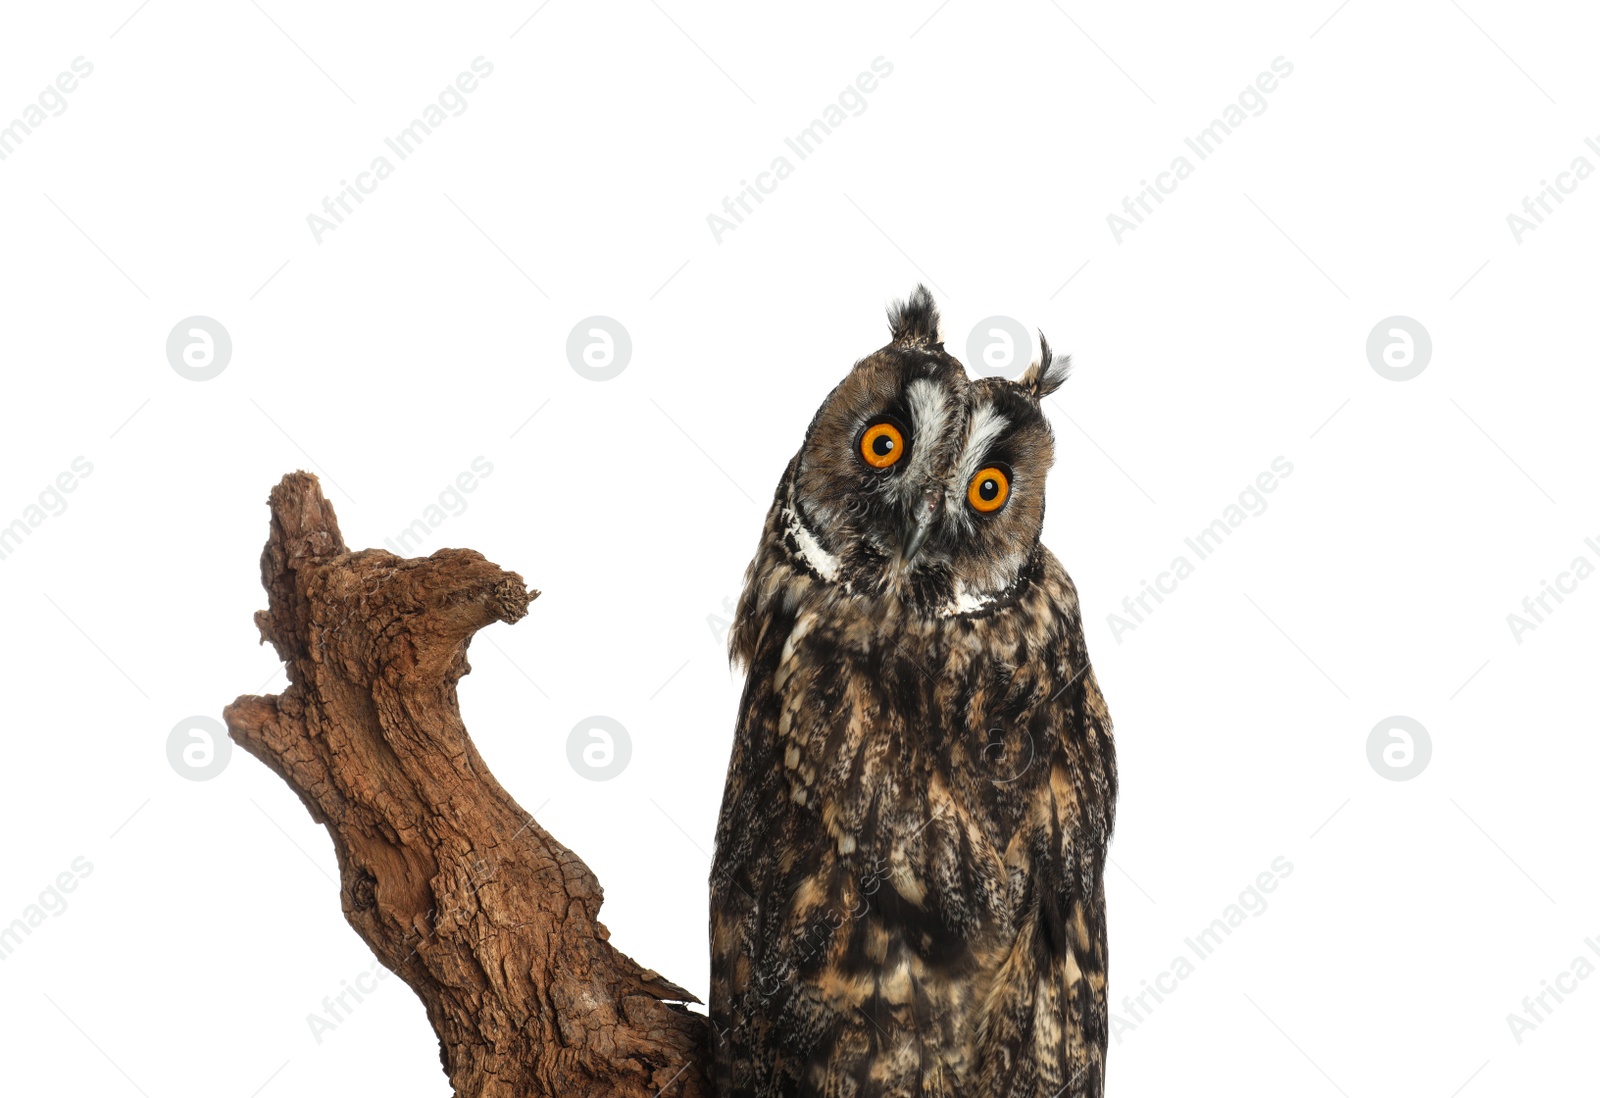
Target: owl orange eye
988, 489
882, 444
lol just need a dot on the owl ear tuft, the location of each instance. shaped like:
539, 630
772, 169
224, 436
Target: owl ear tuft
1048, 374
916, 319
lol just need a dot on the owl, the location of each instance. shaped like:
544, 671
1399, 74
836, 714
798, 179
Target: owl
907, 895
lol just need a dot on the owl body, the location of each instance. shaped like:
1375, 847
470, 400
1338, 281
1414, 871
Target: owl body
907, 892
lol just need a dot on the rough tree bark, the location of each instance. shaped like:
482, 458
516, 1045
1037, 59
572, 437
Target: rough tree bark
492, 922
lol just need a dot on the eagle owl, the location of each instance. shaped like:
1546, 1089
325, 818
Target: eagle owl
908, 896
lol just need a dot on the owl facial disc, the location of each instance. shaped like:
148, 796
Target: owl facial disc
918, 484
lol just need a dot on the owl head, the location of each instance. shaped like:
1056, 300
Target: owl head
918, 482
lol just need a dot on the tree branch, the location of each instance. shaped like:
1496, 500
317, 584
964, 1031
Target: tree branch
492, 922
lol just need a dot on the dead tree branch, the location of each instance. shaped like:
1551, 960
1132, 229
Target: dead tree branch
492, 922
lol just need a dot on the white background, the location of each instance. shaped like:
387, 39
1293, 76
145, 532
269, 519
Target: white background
425, 330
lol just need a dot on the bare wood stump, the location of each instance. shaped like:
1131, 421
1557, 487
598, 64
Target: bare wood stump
492, 922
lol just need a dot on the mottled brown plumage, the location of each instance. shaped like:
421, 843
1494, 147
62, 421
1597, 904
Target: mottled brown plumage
907, 893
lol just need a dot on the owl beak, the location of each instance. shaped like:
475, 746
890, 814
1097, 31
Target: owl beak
920, 526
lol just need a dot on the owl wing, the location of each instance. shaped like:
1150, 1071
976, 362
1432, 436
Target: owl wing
817, 986
1046, 1018
1046, 1022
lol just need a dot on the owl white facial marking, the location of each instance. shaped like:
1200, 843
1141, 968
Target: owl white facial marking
822, 562
967, 601
930, 413
987, 425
